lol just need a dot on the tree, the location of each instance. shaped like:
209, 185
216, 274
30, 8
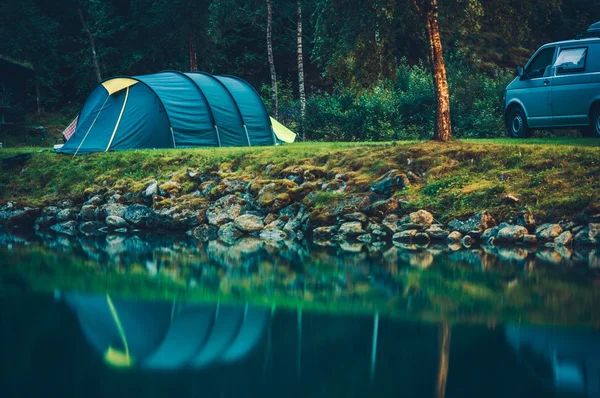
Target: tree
301, 92
271, 59
92, 43
428, 9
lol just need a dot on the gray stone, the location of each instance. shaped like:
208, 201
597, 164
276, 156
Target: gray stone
454, 237
112, 209
351, 229
548, 232
88, 212
480, 221
120, 231
526, 219
392, 181
225, 210
351, 247
421, 217
467, 241
140, 216
357, 216
96, 200
44, 222
391, 222
204, 232
564, 239
435, 232
421, 238
405, 236
249, 223
65, 215
489, 233
229, 233
589, 235
115, 222
511, 234
366, 238
273, 234
151, 189
65, 228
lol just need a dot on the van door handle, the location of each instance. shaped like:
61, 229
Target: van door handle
546, 82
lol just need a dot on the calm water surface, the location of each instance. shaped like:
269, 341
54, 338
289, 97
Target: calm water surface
166, 316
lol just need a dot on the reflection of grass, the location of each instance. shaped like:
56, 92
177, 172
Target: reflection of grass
442, 293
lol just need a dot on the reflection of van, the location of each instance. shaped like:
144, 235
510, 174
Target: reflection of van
558, 88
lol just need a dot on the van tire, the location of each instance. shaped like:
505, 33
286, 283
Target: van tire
594, 129
516, 124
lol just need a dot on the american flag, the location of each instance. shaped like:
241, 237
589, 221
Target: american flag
70, 129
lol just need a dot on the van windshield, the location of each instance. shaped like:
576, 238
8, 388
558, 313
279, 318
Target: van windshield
540, 65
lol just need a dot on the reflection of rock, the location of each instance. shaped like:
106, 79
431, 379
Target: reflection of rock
512, 254
351, 247
549, 256
92, 228
65, 228
453, 237
273, 234
114, 222
405, 236
204, 232
229, 232
242, 253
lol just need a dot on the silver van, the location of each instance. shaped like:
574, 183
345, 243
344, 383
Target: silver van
558, 88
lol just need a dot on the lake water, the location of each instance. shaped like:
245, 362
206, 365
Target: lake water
167, 316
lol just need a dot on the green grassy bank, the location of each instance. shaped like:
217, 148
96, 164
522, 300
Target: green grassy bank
553, 177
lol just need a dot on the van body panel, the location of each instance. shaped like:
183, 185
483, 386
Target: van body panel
559, 98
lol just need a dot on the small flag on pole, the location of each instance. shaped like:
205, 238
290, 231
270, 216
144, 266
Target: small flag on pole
70, 129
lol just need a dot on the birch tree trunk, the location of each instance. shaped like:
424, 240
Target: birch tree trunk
271, 59
301, 70
92, 45
443, 127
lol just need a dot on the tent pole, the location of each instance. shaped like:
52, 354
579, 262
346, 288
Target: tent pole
247, 136
173, 136
218, 135
374, 346
299, 325
92, 125
112, 137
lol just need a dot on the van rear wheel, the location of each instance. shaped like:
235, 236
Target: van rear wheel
594, 129
516, 124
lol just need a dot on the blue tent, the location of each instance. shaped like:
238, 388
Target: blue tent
162, 335
173, 110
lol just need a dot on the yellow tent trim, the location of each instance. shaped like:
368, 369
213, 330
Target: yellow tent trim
116, 85
282, 132
112, 356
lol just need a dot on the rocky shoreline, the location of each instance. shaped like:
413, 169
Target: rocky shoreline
292, 208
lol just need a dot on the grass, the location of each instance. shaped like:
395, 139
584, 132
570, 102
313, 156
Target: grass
556, 176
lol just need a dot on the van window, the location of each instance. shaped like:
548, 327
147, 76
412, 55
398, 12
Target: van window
571, 60
540, 65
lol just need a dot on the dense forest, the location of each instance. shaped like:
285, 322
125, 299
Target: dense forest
363, 66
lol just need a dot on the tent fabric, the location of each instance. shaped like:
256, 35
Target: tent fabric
282, 133
167, 335
171, 109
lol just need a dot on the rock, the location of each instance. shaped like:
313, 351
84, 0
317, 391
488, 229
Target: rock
270, 218
120, 231
509, 199
489, 233
589, 235
65, 215
273, 234
392, 181
115, 222
479, 221
366, 238
526, 219
279, 224
229, 233
96, 200
12, 217
529, 239
324, 233
275, 196
140, 216
454, 237
65, 228
511, 234
351, 229
435, 232
92, 228
193, 173
405, 236
548, 232
249, 223
475, 235
88, 212
225, 210
151, 189
116, 198
269, 168
421, 217
204, 232
421, 238
467, 241
356, 216
289, 211
112, 209
44, 222
382, 208
230, 187
392, 223
564, 239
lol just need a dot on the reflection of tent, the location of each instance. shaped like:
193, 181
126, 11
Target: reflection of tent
161, 335
173, 110
574, 356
